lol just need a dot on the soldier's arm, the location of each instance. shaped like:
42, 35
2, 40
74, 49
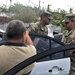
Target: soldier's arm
32, 27
72, 37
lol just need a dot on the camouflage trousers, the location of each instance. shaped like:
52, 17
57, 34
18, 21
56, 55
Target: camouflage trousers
72, 70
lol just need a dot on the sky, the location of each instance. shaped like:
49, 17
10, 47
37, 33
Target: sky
54, 4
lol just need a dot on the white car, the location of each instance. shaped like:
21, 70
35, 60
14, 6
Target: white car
52, 57
2, 31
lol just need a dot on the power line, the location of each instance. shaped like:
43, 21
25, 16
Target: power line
33, 3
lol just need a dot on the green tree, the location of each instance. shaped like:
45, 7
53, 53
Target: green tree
57, 16
24, 13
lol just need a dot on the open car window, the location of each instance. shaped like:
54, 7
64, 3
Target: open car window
43, 43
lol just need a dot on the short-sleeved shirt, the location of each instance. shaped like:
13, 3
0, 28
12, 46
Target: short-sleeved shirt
10, 56
38, 28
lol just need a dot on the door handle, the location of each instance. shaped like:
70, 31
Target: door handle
56, 68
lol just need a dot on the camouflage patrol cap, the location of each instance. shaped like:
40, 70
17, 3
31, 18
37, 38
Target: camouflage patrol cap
47, 14
69, 17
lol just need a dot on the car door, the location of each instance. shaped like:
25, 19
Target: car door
52, 67
48, 69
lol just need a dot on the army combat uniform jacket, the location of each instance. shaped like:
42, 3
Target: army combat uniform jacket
37, 28
69, 38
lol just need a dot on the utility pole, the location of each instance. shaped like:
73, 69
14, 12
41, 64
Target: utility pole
6, 3
39, 7
10, 3
10, 7
43, 6
39, 4
48, 8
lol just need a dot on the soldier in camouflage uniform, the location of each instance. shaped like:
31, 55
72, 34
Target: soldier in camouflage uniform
69, 38
40, 27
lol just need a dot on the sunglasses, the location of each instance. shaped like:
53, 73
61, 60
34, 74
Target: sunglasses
66, 22
69, 21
